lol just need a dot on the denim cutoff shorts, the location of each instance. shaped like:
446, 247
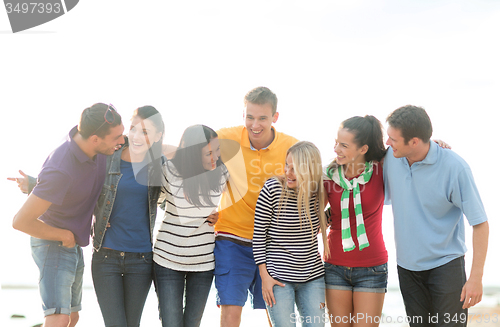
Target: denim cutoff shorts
356, 279
61, 275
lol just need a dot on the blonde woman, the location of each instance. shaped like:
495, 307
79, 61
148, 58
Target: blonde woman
288, 215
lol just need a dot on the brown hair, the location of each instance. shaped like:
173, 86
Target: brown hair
262, 95
412, 122
93, 122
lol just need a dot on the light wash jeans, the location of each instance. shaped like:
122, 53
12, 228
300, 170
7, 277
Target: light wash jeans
309, 298
61, 275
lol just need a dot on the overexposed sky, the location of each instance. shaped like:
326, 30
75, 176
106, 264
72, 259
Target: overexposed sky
195, 60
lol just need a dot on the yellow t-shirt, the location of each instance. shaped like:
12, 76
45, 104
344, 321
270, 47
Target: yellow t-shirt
248, 171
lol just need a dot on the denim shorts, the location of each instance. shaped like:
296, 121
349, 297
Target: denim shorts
356, 279
236, 275
61, 276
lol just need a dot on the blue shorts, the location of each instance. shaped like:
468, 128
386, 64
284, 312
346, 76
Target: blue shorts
61, 276
236, 274
356, 279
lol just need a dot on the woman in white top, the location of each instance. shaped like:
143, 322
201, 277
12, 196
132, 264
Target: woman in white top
183, 252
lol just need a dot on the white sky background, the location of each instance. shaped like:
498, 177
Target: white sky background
195, 60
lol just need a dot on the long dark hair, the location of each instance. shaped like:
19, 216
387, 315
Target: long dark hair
197, 181
367, 130
155, 151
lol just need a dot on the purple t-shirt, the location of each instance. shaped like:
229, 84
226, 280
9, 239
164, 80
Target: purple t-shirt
72, 182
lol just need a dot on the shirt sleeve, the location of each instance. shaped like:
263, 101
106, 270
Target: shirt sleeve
262, 222
52, 185
225, 175
31, 183
466, 196
386, 170
164, 189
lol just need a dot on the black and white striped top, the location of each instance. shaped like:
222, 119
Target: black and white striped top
287, 247
184, 241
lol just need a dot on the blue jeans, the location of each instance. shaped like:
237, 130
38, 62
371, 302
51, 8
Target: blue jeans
61, 275
182, 295
122, 281
432, 297
309, 298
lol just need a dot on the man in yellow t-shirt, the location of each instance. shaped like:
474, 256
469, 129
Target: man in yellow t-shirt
252, 153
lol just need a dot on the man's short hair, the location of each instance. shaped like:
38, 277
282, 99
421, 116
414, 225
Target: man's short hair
412, 121
93, 121
262, 95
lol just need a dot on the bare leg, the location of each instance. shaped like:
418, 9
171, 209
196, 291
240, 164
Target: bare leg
369, 307
230, 315
74, 317
340, 307
58, 320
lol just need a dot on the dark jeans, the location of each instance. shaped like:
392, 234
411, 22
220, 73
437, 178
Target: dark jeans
182, 295
432, 297
122, 281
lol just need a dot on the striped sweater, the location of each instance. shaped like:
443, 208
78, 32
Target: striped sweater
286, 246
185, 242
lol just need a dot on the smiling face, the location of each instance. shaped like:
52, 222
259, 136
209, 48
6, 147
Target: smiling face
291, 178
348, 152
111, 141
210, 153
258, 121
142, 135
396, 140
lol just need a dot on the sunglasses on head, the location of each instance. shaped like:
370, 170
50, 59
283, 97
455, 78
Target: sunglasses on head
109, 117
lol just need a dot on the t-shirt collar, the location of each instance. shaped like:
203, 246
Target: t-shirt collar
245, 140
432, 155
75, 149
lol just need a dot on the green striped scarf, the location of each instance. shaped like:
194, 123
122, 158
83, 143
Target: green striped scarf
339, 178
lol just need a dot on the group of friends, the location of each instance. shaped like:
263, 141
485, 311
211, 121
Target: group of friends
245, 204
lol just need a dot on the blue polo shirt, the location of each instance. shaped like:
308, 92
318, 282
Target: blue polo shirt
429, 200
72, 182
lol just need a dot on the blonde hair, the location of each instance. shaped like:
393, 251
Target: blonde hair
306, 160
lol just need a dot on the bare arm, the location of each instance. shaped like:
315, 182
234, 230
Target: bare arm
472, 292
169, 150
26, 220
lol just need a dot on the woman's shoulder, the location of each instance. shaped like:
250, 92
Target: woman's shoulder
274, 184
170, 170
224, 170
275, 181
378, 166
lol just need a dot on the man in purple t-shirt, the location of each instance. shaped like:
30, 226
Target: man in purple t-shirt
58, 213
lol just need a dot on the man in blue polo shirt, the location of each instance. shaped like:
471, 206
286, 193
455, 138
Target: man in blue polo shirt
431, 189
58, 213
